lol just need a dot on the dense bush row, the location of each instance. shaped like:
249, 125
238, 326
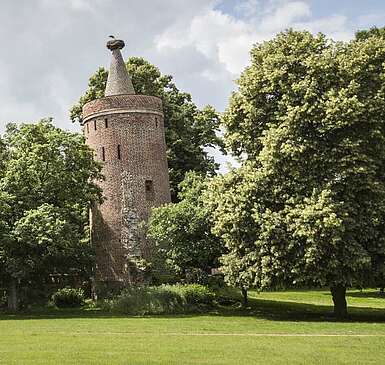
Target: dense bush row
164, 299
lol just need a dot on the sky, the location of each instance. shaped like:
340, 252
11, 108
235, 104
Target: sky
49, 48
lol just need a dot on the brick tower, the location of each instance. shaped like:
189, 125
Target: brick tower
126, 131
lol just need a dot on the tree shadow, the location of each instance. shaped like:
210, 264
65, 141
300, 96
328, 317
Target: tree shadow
258, 308
291, 311
364, 294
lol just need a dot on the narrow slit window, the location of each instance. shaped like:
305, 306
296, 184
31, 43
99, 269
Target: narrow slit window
103, 154
149, 187
119, 153
95, 124
156, 122
88, 128
106, 122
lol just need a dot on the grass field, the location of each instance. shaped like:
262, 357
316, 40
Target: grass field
292, 327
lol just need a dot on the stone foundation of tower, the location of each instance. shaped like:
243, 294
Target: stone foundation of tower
127, 134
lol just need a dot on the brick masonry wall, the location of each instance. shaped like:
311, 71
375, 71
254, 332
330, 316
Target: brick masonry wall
134, 183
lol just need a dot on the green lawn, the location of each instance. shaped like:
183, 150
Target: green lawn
292, 327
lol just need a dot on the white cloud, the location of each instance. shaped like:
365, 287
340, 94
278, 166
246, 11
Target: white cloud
248, 8
284, 16
227, 40
82, 5
214, 34
370, 20
335, 26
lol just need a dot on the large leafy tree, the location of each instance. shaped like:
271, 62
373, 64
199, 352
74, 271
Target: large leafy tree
309, 118
182, 234
46, 188
188, 129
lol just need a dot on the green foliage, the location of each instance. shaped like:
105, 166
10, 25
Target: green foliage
68, 298
188, 129
286, 76
195, 294
147, 300
52, 243
3, 156
232, 199
182, 234
164, 299
362, 35
308, 117
46, 189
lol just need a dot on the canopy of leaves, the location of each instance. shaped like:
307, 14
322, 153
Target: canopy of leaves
46, 189
182, 231
372, 32
231, 199
188, 129
309, 205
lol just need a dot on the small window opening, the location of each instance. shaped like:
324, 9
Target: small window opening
95, 124
106, 122
149, 187
88, 128
156, 122
103, 154
119, 154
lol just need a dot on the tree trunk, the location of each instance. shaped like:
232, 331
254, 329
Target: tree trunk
339, 300
245, 300
12, 295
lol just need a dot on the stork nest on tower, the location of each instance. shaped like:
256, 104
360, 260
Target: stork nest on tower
115, 44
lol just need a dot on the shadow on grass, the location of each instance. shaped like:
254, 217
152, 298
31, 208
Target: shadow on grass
289, 311
365, 294
258, 308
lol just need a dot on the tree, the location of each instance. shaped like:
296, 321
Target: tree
46, 189
181, 231
372, 32
188, 129
232, 198
308, 118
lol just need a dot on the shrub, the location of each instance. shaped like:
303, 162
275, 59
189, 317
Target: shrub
68, 298
195, 294
164, 299
146, 300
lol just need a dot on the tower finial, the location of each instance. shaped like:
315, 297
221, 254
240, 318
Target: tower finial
119, 81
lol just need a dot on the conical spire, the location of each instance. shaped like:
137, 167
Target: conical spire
119, 81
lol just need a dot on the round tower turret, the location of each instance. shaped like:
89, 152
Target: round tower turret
126, 131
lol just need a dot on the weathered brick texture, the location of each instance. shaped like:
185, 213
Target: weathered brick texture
127, 134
